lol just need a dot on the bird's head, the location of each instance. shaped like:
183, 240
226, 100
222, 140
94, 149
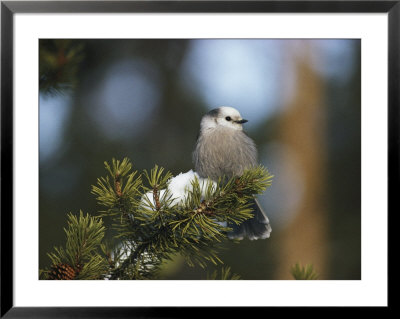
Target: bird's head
224, 116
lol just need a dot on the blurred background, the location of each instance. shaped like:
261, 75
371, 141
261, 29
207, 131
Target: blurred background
144, 99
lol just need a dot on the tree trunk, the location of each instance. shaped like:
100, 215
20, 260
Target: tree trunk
302, 129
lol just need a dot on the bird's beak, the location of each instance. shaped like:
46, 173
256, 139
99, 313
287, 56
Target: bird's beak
241, 121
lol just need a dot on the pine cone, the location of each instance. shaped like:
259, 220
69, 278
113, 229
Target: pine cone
62, 272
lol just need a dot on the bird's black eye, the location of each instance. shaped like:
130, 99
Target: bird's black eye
228, 118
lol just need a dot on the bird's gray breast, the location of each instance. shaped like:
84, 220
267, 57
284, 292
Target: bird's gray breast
223, 152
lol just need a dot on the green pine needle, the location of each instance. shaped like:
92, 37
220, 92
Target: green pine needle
149, 227
306, 272
224, 274
82, 249
59, 64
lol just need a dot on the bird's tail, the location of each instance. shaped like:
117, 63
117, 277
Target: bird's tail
257, 227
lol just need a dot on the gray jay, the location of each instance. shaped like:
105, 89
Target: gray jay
224, 149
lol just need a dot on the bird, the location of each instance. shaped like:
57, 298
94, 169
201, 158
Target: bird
223, 149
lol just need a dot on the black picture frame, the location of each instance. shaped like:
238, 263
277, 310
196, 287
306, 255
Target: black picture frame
9, 8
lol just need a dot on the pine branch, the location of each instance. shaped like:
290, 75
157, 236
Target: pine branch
80, 258
225, 274
59, 62
306, 272
151, 223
